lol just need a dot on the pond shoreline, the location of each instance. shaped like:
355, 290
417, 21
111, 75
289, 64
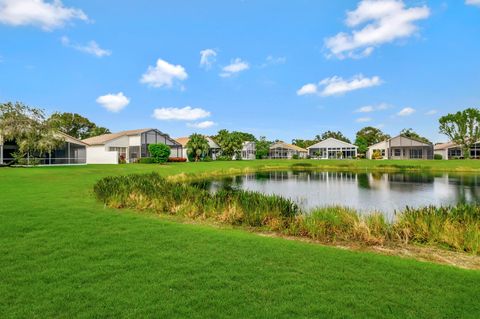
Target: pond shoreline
447, 228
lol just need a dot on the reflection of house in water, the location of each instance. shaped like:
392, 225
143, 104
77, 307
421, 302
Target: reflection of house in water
466, 187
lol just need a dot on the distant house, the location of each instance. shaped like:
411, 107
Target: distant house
213, 152
286, 151
332, 148
451, 150
401, 147
249, 151
127, 146
73, 151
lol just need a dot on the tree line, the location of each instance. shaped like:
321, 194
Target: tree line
35, 133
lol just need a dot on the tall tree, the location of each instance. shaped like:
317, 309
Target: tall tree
337, 135
462, 128
246, 137
410, 133
76, 125
197, 146
303, 143
262, 147
28, 127
368, 136
231, 143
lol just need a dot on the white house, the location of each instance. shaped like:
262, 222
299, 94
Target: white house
127, 146
249, 151
214, 148
332, 148
401, 147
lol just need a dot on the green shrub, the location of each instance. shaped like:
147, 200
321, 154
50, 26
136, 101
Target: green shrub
295, 156
224, 158
159, 152
438, 156
207, 159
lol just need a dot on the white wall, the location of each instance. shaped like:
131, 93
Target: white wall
97, 154
134, 140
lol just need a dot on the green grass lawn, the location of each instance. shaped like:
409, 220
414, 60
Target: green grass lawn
62, 254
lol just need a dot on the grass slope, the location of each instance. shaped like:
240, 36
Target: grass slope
62, 254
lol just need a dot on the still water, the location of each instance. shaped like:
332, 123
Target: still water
366, 192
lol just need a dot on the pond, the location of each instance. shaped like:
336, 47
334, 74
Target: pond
366, 192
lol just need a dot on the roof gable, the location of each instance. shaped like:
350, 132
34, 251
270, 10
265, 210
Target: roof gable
331, 143
288, 146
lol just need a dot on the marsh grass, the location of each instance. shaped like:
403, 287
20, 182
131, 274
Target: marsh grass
455, 227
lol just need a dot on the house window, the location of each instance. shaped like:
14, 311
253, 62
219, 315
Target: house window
397, 152
416, 153
122, 152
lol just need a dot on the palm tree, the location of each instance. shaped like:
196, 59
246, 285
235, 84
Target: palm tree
197, 146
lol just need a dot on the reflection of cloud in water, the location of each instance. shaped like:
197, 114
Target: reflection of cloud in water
366, 192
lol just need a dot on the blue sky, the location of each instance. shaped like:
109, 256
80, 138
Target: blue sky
283, 69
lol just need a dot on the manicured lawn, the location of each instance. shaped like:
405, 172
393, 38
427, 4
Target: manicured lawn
62, 254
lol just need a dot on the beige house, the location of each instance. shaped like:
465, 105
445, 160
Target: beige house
286, 151
401, 147
451, 150
213, 152
127, 146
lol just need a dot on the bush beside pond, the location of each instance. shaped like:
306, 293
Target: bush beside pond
455, 227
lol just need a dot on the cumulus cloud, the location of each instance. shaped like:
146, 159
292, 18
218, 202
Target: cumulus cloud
113, 102
202, 125
375, 22
372, 108
163, 74
363, 120
337, 86
47, 15
473, 2
91, 47
186, 113
234, 67
207, 58
406, 111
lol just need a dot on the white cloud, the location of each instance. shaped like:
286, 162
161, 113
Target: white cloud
432, 112
372, 108
202, 125
383, 21
186, 113
38, 13
309, 88
406, 111
271, 60
473, 2
91, 48
336, 85
363, 120
234, 67
207, 58
163, 74
113, 102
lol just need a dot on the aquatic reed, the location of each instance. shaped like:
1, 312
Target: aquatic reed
453, 227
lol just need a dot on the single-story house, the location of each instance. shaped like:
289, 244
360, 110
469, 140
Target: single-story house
249, 151
332, 148
451, 150
286, 151
213, 152
401, 147
73, 151
127, 146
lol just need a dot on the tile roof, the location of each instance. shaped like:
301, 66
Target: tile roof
289, 146
102, 139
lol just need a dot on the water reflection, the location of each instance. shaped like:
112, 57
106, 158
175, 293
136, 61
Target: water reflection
367, 192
